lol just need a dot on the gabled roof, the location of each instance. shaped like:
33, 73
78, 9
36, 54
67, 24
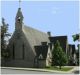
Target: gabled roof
35, 37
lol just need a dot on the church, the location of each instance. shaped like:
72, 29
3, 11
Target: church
29, 47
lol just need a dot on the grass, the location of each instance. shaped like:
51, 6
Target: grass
57, 68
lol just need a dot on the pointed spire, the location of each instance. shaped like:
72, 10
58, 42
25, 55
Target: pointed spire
19, 13
19, 18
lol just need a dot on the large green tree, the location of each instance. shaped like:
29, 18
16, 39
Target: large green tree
4, 35
59, 58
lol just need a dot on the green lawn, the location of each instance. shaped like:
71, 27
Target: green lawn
57, 68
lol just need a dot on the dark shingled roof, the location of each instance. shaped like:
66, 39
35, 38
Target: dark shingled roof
41, 50
61, 39
35, 37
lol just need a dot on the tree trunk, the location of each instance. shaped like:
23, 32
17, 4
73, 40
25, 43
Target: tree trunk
59, 67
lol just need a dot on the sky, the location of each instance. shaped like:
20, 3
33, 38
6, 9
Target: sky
59, 17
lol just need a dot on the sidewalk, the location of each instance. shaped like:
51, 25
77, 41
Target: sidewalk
42, 70
76, 69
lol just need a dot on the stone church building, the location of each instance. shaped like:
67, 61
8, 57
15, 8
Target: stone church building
28, 47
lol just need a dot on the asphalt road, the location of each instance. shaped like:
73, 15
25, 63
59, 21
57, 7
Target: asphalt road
11, 71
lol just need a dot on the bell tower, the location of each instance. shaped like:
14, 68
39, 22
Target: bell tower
19, 19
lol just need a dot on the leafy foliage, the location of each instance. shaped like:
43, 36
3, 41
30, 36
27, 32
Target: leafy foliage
59, 58
4, 34
76, 37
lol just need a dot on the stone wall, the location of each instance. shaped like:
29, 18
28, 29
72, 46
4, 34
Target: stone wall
21, 54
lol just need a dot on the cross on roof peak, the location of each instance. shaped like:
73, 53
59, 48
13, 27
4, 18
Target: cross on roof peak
19, 3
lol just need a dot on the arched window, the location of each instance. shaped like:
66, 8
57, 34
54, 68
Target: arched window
18, 51
13, 51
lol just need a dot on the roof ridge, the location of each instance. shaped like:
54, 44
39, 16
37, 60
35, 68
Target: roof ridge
35, 29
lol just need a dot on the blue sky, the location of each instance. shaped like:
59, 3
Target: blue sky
59, 17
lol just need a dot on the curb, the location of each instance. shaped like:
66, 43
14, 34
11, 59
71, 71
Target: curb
39, 70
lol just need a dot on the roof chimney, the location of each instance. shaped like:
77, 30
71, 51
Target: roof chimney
49, 34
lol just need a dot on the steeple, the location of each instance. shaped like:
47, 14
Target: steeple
19, 19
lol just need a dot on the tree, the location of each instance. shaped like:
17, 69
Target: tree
76, 37
4, 34
59, 58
